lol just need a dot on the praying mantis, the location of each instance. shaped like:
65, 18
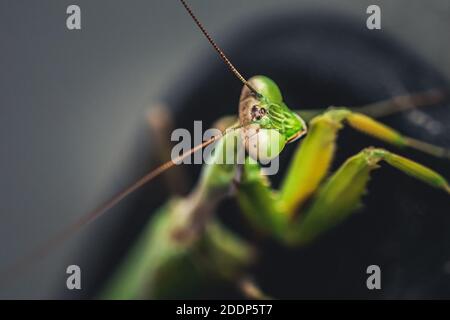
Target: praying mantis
184, 239
283, 214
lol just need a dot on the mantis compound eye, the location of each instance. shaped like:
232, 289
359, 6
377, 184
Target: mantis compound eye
257, 113
263, 144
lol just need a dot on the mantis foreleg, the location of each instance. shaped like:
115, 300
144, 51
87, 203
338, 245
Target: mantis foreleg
340, 195
283, 212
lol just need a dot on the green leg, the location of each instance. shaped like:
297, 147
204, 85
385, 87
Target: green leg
163, 264
183, 246
259, 202
274, 211
341, 194
312, 160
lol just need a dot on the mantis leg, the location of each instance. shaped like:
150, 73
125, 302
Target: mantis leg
312, 160
164, 264
341, 193
274, 211
389, 106
259, 202
334, 200
183, 245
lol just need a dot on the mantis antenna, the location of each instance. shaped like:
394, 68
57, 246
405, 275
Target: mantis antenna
219, 51
71, 229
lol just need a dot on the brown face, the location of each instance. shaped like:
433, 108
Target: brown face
249, 109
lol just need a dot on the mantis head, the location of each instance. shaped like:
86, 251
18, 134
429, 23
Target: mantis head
267, 123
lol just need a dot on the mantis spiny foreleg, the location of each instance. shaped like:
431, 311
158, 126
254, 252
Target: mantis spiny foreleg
283, 214
341, 193
312, 160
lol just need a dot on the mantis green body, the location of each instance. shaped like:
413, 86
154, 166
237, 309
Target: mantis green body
184, 246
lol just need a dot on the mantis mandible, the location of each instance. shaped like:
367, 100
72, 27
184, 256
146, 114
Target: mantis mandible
184, 234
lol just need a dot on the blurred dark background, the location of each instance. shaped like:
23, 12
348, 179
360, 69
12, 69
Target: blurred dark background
73, 108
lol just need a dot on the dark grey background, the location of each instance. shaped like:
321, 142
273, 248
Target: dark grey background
71, 101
